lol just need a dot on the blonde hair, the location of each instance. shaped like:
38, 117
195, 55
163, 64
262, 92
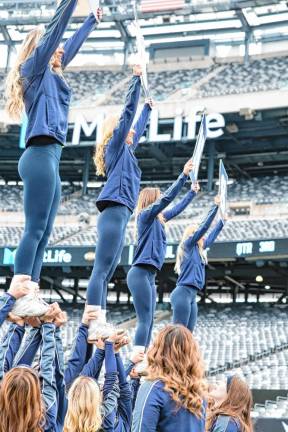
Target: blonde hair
108, 127
238, 405
188, 232
14, 89
175, 359
84, 406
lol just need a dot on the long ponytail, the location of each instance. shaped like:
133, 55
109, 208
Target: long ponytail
14, 90
109, 125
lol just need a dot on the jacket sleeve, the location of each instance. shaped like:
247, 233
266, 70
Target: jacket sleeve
52, 36
203, 227
125, 401
94, 365
126, 119
11, 344
60, 380
153, 210
128, 368
134, 387
47, 375
6, 304
78, 355
140, 125
110, 389
178, 208
209, 240
74, 43
8, 348
29, 348
147, 409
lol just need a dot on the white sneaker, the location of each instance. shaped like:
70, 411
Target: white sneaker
30, 305
100, 330
141, 367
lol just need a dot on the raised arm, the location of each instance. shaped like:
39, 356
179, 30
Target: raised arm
51, 38
110, 389
125, 400
47, 374
93, 367
7, 302
8, 348
126, 119
209, 240
62, 402
81, 351
178, 208
78, 355
28, 350
11, 344
153, 210
141, 124
74, 43
203, 227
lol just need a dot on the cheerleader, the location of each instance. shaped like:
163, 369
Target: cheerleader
190, 266
172, 396
36, 82
115, 158
150, 251
231, 405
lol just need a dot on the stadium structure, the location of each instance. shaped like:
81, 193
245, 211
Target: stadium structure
229, 57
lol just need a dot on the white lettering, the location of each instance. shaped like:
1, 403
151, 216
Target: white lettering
244, 248
88, 129
194, 117
267, 246
57, 256
178, 121
153, 132
215, 123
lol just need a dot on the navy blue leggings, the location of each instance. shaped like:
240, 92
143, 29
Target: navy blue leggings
141, 284
39, 169
111, 228
184, 305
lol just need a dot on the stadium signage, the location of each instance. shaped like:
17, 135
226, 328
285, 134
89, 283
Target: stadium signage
57, 256
51, 256
83, 256
215, 123
248, 248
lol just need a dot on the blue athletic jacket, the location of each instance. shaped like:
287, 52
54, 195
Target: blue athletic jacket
123, 173
114, 416
225, 424
155, 410
46, 94
10, 346
192, 269
151, 244
7, 302
46, 336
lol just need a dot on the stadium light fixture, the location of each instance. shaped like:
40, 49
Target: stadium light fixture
259, 278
